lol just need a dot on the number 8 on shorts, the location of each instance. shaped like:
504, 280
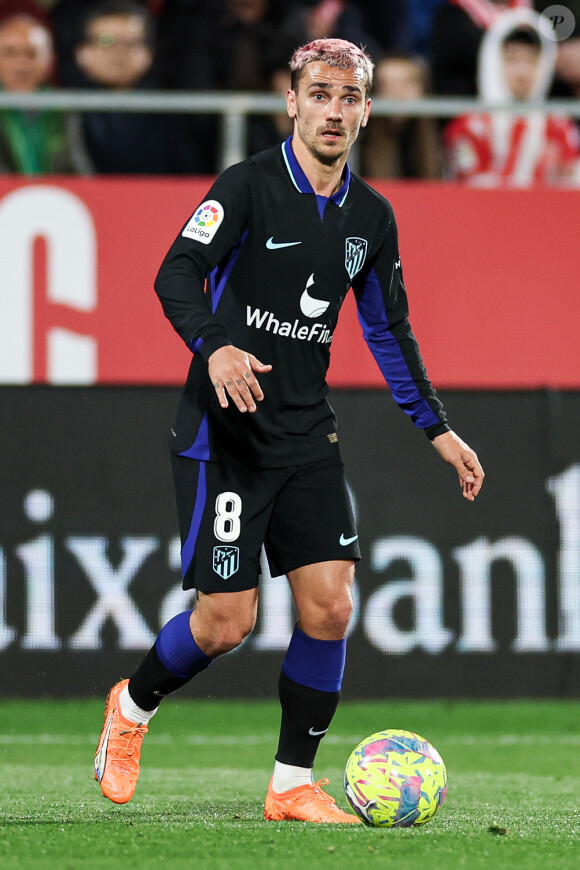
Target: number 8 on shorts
228, 509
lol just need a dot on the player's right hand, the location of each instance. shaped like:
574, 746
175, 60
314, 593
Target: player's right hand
232, 374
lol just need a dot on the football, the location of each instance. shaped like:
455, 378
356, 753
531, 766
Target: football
395, 779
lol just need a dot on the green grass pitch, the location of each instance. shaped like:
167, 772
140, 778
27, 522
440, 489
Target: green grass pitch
513, 800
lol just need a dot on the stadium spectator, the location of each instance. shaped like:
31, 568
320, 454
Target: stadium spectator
225, 45
117, 49
41, 141
317, 19
507, 148
116, 53
221, 45
264, 131
458, 28
67, 19
401, 146
389, 22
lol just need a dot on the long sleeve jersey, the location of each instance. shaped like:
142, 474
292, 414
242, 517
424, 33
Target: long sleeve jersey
264, 264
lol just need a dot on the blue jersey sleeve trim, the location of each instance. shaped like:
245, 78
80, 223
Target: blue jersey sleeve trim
389, 356
218, 277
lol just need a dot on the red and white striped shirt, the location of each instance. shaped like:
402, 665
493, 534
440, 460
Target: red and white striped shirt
501, 150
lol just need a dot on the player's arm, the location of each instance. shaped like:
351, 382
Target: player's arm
205, 242
384, 315
209, 236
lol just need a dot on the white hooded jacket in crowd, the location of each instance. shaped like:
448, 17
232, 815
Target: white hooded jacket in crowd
506, 148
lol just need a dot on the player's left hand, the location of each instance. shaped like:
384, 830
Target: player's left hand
454, 450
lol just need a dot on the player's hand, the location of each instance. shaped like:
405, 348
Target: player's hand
452, 449
232, 374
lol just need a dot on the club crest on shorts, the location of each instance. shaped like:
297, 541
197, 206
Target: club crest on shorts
354, 256
226, 561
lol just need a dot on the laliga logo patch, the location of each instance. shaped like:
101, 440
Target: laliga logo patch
355, 253
205, 222
310, 306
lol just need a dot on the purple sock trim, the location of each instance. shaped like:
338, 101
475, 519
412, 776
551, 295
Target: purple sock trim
318, 664
178, 651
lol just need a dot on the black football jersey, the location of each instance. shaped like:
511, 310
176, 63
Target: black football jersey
264, 264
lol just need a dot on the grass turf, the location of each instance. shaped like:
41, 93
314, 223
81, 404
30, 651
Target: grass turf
514, 781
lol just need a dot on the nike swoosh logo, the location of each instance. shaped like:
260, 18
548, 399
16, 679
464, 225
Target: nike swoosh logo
317, 733
101, 757
273, 246
344, 542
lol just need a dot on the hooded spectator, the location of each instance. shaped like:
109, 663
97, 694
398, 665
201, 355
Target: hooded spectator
504, 147
458, 28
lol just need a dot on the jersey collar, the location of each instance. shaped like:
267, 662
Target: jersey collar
300, 181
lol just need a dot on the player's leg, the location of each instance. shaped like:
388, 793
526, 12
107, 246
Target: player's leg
316, 546
309, 690
187, 644
313, 668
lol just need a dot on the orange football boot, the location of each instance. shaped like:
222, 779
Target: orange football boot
305, 803
118, 751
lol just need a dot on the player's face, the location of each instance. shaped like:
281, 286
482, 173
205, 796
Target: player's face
329, 108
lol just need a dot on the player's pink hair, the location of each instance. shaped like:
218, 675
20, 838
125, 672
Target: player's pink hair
334, 52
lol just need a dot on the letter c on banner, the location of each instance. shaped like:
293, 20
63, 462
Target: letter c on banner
64, 221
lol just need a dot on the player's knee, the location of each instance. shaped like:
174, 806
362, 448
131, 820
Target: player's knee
221, 622
332, 618
227, 635
338, 614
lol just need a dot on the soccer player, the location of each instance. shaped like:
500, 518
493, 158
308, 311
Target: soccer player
277, 244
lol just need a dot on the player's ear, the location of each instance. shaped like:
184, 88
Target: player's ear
291, 103
366, 114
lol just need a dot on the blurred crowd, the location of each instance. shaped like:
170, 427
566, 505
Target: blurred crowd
491, 48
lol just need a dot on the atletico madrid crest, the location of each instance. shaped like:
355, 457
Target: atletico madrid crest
226, 561
355, 253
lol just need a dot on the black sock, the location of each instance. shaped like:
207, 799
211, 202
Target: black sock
306, 716
152, 681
